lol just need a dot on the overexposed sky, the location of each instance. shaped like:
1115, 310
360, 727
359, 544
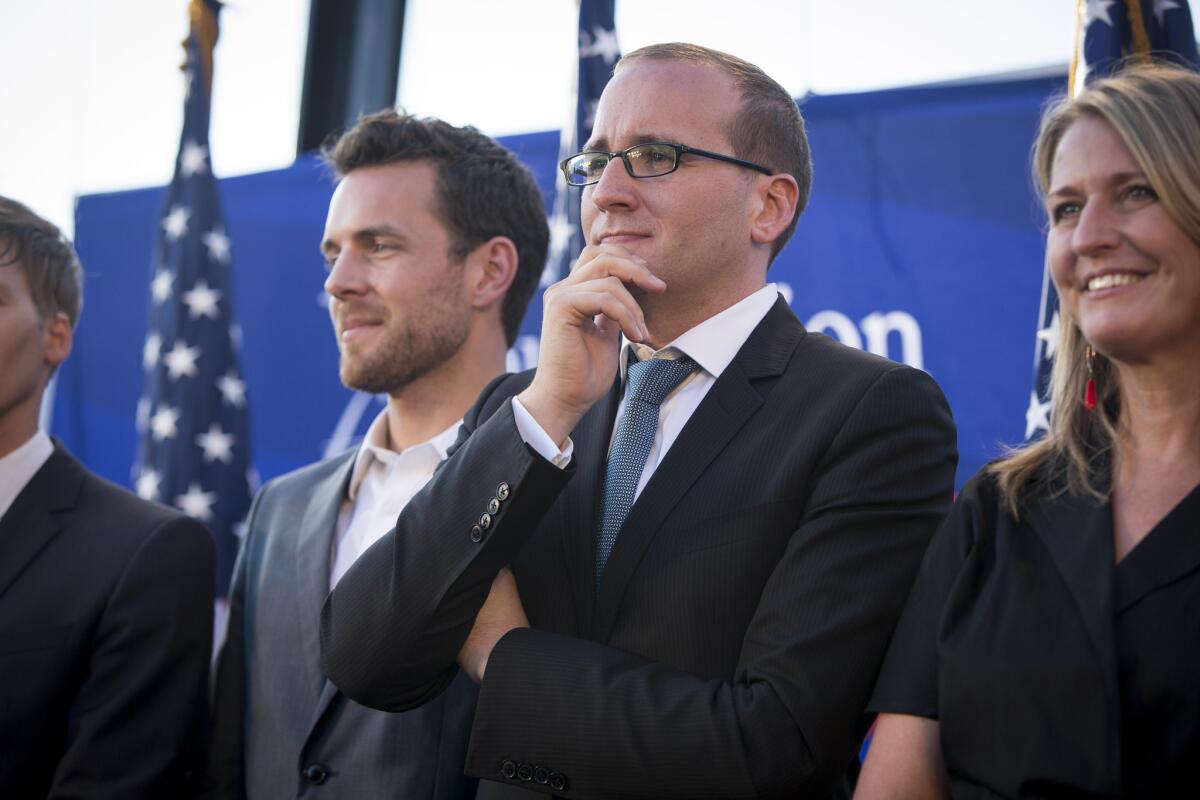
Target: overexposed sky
91, 97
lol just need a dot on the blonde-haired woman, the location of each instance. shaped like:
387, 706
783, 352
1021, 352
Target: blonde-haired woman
1051, 645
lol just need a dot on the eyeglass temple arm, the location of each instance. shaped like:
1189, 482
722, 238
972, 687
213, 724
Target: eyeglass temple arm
683, 148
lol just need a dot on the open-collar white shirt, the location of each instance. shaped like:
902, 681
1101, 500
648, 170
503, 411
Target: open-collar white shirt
712, 344
18, 467
381, 484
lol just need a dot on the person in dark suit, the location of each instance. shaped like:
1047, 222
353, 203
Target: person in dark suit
435, 239
1051, 645
710, 529
105, 599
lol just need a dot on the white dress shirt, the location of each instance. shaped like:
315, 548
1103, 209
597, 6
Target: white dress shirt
381, 484
712, 344
18, 467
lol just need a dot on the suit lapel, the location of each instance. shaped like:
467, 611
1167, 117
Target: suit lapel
1170, 550
329, 693
1078, 535
312, 566
581, 508
30, 525
729, 404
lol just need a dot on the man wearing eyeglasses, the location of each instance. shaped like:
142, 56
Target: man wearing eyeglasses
712, 517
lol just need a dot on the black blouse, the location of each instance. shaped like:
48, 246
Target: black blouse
1052, 673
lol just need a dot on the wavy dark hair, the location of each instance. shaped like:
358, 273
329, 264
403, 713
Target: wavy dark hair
482, 190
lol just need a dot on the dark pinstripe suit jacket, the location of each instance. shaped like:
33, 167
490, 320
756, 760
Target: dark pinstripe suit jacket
743, 613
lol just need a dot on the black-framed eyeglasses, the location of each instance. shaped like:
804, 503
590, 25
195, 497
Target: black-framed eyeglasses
648, 160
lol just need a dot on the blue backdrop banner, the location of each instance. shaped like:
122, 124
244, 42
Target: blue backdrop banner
923, 242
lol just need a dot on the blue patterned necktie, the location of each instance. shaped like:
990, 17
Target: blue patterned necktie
647, 383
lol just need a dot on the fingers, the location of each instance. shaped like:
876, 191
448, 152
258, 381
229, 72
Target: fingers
597, 294
608, 297
598, 261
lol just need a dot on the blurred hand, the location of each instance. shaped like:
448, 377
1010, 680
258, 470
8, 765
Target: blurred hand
501, 613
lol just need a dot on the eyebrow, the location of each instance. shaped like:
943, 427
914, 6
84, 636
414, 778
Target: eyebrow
1113, 180
641, 138
374, 232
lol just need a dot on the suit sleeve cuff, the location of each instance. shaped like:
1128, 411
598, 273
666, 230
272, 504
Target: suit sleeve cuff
538, 439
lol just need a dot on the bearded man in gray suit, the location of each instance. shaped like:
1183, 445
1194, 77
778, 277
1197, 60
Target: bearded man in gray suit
435, 239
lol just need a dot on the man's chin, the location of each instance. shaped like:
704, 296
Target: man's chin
373, 378
363, 380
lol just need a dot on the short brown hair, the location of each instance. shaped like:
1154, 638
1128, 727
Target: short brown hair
768, 129
482, 190
46, 258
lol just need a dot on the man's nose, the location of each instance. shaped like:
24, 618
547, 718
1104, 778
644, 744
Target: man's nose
616, 187
346, 276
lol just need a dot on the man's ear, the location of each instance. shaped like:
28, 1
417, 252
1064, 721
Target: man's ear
492, 267
777, 205
57, 337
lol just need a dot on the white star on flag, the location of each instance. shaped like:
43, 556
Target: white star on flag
151, 350
1098, 10
1037, 416
1161, 7
218, 245
603, 44
147, 484
201, 444
163, 425
216, 444
589, 119
196, 503
142, 418
160, 287
193, 159
561, 230
175, 223
233, 389
201, 300
181, 361
1050, 337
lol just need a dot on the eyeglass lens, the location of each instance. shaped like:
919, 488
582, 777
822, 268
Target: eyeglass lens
644, 160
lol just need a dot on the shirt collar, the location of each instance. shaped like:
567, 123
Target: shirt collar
376, 446
714, 342
18, 467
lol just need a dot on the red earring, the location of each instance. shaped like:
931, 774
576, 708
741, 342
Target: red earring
1089, 391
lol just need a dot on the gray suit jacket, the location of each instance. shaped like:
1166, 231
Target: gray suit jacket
281, 729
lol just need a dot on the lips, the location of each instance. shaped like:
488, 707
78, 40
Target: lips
355, 327
620, 237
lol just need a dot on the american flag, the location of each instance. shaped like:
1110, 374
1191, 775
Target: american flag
1106, 32
192, 418
598, 52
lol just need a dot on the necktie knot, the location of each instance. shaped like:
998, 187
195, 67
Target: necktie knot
650, 381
